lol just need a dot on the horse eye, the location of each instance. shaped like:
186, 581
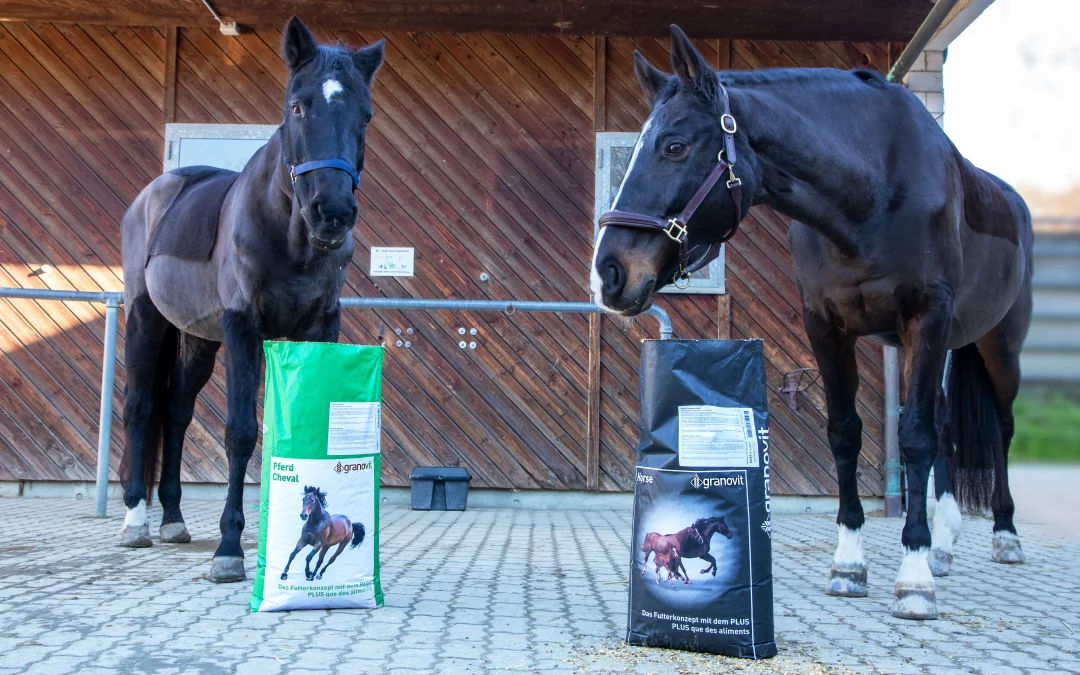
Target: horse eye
676, 148
297, 110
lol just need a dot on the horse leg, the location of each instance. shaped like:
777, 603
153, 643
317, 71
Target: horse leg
193, 370
646, 563
711, 566
685, 575
947, 519
299, 546
307, 561
340, 548
148, 338
322, 554
243, 361
925, 336
1001, 356
835, 355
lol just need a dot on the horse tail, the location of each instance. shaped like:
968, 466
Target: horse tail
161, 392
975, 430
358, 534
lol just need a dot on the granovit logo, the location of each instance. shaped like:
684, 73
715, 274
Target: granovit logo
717, 481
358, 466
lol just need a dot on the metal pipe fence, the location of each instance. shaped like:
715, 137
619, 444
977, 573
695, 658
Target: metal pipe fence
113, 300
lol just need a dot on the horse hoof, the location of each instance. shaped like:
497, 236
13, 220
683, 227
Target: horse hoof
1007, 548
940, 562
136, 536
915, 601
174, 533
227, 569
847, 581
318, 577
284, 576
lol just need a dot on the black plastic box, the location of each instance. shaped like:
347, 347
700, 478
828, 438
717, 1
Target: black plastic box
439, 488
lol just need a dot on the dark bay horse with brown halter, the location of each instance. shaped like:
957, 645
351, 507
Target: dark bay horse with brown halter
214, 256
322, 532
897, 237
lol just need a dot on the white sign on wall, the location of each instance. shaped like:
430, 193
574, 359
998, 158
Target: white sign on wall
391, 262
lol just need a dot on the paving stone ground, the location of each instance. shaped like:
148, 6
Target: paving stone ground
503, 591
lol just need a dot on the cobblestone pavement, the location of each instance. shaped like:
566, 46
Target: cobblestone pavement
501, 590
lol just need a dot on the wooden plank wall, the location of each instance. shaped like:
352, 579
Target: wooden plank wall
480, 156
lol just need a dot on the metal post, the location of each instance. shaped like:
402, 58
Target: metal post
922, 37
893, 504
108, 372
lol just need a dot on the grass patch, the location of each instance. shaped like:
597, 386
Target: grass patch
1047, 429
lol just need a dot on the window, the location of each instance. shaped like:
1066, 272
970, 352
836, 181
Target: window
613, 151
227, 146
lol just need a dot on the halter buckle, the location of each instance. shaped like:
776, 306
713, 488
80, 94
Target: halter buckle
682, 280
725, 120
675, 230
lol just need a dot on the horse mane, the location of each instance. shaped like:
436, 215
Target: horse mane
778, 76
311, 489
705, 522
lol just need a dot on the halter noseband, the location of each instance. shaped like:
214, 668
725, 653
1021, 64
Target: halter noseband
307, 167
676, 228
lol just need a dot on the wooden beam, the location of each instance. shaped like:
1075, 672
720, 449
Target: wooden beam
599, 115
592, 437
723, 317
723, 54
168, 105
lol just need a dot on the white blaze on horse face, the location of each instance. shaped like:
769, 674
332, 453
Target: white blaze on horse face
633, 160
849, 549
595, 283
330, 88
136, 517
946, 523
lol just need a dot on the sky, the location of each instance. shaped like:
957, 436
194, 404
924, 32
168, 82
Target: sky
1012, 92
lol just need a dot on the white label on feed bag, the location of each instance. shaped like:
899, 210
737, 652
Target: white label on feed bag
713, 436
391, 262
355, 429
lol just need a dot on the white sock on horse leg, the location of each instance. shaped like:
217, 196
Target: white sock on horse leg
849, 550
947, 522
136, 517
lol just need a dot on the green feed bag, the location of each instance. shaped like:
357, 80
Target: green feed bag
319, 525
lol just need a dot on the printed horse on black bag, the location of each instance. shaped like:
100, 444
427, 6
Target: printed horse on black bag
667, 550
698, 547
321, 532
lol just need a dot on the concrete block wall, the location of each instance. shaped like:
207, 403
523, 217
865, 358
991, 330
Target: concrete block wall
925, 81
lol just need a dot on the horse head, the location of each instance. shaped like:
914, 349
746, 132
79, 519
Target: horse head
327, 110
314, 500
707, 526
642, 245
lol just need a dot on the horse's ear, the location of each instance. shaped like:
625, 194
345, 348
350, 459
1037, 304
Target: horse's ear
298, 44
689, 64
651, 79
368, 59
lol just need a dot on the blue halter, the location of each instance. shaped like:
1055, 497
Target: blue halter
306, 167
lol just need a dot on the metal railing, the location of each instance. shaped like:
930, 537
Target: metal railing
113, 300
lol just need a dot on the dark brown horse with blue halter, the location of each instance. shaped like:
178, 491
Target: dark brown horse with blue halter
322, 532
896, 237
214, 256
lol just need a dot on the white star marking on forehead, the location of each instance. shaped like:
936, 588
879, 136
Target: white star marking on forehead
330, 88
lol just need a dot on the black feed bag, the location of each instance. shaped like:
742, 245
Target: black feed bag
701, 569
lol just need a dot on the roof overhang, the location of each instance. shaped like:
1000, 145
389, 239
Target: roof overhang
815, 20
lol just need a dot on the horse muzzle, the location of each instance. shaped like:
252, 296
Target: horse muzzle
303, 516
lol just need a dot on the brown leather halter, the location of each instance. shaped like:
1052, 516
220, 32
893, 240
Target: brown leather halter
676, 228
